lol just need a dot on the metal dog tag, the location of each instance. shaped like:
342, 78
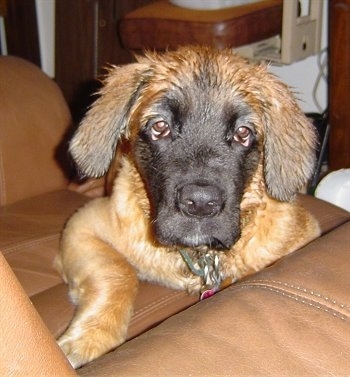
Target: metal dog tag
207, 267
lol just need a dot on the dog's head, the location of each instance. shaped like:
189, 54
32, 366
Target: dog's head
199, 122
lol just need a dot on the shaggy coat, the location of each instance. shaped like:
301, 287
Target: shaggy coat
206, 153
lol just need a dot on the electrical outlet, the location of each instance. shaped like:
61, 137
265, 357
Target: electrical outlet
301, 35
300, 38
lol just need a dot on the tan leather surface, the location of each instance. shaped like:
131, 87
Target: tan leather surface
34, 118
91, 187
54, 308
27, 348
29, 234
154, 304
292, 319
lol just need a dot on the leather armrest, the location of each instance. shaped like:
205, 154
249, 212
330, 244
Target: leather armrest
27, 347
291, 319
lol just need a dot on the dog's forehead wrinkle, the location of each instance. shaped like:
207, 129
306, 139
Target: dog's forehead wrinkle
202, 105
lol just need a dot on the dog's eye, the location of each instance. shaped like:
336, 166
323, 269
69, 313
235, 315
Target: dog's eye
243, 136
160, 130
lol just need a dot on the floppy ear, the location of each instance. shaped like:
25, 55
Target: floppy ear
94, 143
290, 143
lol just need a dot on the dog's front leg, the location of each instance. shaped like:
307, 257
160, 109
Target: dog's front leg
103, 285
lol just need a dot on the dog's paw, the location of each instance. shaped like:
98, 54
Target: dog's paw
77, 351
80, 350
193, 284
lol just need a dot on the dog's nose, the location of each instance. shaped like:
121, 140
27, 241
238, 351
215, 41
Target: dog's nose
200, 200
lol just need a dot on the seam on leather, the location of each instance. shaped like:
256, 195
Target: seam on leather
157, 304
343, 221
53, 274
302, 295
301, 289
6, 250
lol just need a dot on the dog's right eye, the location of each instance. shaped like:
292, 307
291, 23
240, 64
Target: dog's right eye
160, 130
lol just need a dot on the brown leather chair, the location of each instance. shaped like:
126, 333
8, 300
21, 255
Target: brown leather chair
291, 319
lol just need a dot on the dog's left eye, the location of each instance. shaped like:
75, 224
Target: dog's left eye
243, 136
160, 130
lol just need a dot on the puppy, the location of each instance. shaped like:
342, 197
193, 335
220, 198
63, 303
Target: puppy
208, 153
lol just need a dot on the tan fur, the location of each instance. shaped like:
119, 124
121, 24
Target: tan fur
108, 244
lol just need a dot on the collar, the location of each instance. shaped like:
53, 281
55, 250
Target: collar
207, 267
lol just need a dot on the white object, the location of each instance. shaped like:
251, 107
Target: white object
300, 37
210, 4
45, 10
335, 188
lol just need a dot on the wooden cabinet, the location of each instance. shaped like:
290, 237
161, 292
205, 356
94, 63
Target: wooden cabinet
21, 29
339, 84
86, 41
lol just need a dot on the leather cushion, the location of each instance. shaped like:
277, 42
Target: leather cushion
291, 319
29, 236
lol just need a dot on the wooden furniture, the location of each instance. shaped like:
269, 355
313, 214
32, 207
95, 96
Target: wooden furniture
3, 8
339, 84
161, 25
86, 42
21, 29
